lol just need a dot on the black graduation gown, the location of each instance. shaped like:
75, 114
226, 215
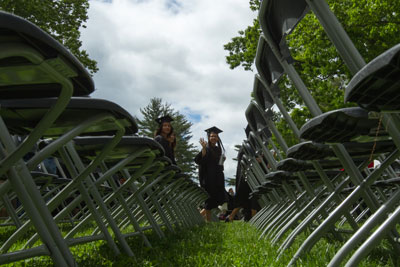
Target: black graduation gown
211, 176
242, 188
169, 152
241, 198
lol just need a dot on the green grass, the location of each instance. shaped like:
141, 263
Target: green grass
213, 244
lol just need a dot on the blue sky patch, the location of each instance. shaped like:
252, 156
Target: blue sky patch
191, 116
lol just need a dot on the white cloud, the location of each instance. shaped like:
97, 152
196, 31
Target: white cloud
173, 50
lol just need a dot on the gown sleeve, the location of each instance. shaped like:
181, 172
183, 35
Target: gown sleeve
202, 168
198, 158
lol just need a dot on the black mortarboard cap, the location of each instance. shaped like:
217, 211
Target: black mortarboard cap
213, 130
163, 119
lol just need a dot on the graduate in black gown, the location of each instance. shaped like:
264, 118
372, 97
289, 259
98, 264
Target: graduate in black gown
211, 171
163, 136
242, 196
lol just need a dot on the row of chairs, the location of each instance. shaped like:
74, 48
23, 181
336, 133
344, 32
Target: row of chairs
322, 186
69, 161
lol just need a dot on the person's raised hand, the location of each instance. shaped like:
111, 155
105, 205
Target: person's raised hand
203, 143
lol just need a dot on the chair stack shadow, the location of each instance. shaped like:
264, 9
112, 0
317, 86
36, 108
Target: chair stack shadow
322, 186
69, 161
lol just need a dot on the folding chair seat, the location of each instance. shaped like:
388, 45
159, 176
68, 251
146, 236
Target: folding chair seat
361, 152
339, 126
266, 87
179, 196
343, 125
168, 193
265, 55
189, 198
135, 155
352, 59
374, 87
252, 116
259, 185
253, 173
34, 65
283, 16
293, 165
253, 107
310, 150
95, 117
17, 216
163, 192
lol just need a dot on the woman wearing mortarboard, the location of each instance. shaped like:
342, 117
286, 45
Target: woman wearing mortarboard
211, 171
163, 136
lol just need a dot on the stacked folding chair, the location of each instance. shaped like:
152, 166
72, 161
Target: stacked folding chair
71, 160
322, 185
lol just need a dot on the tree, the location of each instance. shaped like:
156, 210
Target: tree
185, 151
230, 181
373, 26
60, 18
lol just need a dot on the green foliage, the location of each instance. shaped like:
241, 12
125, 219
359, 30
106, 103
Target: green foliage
212, 244
230, 181
185, 151
373, 26
60, 18
243, 47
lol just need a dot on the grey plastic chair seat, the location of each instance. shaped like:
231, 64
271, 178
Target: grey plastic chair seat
22, 115
377, 85
357, 149
293, 165
264, 188
278, 18
21, 78
90, 146
262, 96
256, 192
279, 176
315, 177
339, 126
315, 151
309, 151
268, 67
336, 164
390, 183
34, 65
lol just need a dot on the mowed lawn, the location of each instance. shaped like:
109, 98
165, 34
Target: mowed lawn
212, 244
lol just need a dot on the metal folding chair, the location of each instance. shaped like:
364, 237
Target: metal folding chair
275, 35
34, 65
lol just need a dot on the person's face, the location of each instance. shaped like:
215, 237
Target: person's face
166, 128
213, 138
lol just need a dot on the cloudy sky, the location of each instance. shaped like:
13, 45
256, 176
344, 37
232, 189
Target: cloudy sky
173, 49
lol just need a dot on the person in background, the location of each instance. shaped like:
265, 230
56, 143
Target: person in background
230, 191
163, 136
211, 171
242, 196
